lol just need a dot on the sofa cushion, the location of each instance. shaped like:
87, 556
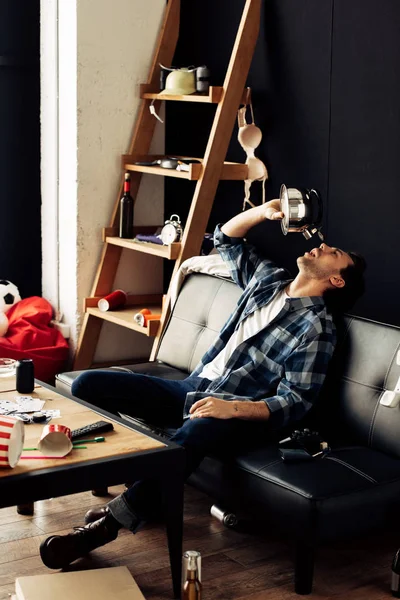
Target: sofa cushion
348, 492
364, 367
202, 308
158, 369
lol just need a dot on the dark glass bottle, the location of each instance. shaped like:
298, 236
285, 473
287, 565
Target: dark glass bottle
192, 584
126, 210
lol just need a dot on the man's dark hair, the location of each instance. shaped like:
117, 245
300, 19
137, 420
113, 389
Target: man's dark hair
340, 300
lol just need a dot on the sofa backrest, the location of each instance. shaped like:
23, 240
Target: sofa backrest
203, 306
364, 365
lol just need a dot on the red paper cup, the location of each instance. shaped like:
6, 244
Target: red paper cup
12, 436
55, 440
112, 301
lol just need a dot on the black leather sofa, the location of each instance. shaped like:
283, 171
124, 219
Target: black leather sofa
347, 493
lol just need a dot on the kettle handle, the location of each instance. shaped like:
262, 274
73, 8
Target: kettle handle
318, 220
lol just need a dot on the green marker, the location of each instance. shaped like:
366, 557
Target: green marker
96, 439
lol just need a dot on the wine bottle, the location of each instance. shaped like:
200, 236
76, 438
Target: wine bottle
126, 210
192, 585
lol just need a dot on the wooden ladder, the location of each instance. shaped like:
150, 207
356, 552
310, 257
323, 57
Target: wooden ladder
208, 173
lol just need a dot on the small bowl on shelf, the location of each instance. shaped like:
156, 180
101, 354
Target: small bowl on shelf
7, 367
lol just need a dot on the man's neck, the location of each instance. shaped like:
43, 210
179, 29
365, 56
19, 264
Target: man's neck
301, 287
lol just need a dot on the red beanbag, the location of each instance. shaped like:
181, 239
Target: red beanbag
30, 335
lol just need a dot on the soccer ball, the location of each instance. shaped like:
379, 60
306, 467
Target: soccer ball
9, 295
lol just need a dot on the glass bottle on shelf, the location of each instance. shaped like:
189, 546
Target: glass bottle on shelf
126, 210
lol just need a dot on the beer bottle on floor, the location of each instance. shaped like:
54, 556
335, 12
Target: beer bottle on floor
396, 575
192, 570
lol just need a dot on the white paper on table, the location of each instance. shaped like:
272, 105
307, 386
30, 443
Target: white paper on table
7, 407
28, 404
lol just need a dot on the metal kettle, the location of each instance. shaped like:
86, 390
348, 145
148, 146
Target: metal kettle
302, 209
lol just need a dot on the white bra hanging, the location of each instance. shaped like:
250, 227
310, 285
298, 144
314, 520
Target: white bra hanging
249, 137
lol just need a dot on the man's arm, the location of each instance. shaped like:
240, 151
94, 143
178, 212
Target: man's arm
297, 391
239, 225
230, 409
242, 259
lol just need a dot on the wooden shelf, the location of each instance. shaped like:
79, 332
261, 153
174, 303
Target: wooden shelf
230, 171
214, 96
208, 172
192, 175
124, 317
170, 252
147, 92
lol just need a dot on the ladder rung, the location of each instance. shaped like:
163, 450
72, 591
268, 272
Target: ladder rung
114, 231
147, 92
170, 252
230, 170
132, 300
124, 317
215, 94
192, 175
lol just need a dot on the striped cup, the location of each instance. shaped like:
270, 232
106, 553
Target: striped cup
55, 440
12, 436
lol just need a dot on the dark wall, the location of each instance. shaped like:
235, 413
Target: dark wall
20, 251
326, 82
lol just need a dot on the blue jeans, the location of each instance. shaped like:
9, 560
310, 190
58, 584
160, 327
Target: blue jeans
161, 401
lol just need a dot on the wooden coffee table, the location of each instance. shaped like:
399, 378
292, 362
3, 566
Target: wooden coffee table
128, 454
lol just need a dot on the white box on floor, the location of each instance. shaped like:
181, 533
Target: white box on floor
102, 584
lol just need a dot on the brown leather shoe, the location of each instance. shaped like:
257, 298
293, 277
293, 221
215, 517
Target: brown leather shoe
94, 514
58, 551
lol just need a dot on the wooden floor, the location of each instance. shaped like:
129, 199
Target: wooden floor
236, 564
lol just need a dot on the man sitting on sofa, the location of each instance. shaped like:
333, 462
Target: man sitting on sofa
263, 372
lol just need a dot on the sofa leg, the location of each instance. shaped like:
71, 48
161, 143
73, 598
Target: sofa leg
26, 509
304, 568
100, 492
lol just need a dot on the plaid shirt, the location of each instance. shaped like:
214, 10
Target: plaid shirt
285, 363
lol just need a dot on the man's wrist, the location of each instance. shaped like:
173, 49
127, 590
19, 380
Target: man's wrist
235, 408
250, 410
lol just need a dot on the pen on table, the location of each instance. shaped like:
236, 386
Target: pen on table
96, 439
